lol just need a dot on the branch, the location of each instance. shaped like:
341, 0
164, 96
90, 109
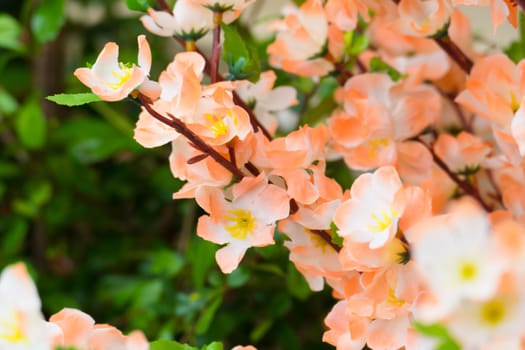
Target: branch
455, 53
464, 185
193, 138
216, 47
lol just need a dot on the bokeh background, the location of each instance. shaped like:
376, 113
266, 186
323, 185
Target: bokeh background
91, 213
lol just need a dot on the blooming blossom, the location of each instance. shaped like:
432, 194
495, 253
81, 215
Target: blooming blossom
242, 222
112, 80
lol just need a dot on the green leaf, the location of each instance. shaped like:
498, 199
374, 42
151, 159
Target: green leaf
336, 239
170, 345
201, 255
359, 44
90, 140
314, 115
242, 60
30, 125
14, 237
48, 19
204, 321
296, 283
71, 100
165, 263
213, 346
438, 331
377, 65
238, 278
139, 5
8, 104
10, 29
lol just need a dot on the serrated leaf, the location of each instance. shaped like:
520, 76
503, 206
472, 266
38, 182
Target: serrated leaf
30, 125
71, 100
48, 19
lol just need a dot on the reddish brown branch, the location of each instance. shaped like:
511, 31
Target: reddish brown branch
464, 185
164, 6
327, 238
193, 138
216, 47
455, 53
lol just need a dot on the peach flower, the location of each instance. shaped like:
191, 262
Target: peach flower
112, 80
241, 222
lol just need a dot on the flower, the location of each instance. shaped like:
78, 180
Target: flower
247, 220
22, 326
112, 80
189, 21
372, 213
455, 255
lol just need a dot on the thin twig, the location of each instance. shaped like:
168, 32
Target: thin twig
455, 53
193, 138
327, 238
464, 185
216, 47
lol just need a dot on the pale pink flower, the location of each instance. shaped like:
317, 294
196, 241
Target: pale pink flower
112, 80
301, 38
267, 100
22, 326
189, 21
78, 329
345, 331
372, 213
456, 257
423, 18
242, 222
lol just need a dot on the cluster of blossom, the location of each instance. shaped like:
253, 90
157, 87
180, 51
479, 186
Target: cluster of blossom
23, 327
432, 231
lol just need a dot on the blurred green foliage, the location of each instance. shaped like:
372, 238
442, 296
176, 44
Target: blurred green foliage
91, 212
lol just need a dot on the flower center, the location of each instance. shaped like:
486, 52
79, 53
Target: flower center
514, 104
493, 312
121, 76
11, 328
243, 223
468, 271
217, 123
383, 220
392, 299
376, 145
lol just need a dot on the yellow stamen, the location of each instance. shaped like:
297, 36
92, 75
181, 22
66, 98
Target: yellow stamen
514, 104
383, 220
122, 76
493, 312
317, 241
243, 223
468, 271
392, 299
377, 144
216, 125
11, 329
